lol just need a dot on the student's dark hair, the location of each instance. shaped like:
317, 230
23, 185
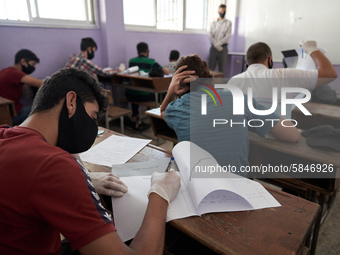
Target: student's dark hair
258, 53
87, 42
194, 63
174, 55
55, 88
222, 6
26, 54
142, 47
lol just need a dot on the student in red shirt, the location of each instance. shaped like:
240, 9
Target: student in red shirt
45, 191
13, 78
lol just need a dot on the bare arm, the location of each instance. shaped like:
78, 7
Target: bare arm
326, 71
149, 239
31, 81
166, 71
286, 134
174, 88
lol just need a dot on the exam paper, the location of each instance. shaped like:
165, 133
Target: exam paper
114, 150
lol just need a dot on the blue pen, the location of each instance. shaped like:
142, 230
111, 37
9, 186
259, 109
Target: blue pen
302, 52
170, 163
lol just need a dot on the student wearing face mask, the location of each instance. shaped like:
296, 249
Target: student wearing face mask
219, 36
45, 191
12, 80
262, 78
83, 61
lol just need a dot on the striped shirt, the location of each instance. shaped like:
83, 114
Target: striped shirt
78, 61
144, 63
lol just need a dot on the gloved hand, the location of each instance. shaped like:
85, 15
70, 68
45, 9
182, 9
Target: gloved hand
108, 184
218, 47
309, 46
121, 67
165, 185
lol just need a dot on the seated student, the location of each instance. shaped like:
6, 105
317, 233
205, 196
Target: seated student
145, 64
45, 191
12, 80
83, 62
228, 143
174, 56
262, 78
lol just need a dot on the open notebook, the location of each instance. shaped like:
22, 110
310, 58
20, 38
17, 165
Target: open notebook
197, 196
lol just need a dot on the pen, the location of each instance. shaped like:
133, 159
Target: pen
170, 163
302, 52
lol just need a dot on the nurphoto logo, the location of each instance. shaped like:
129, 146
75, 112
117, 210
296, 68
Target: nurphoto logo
238, 103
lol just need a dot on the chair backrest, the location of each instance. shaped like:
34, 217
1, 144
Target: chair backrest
108, 93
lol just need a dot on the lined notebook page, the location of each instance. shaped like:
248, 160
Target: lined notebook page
129, 210
114, 150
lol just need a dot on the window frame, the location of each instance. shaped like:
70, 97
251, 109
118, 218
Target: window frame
58, 23
138, 28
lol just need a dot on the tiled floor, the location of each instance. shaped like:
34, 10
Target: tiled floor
329, 235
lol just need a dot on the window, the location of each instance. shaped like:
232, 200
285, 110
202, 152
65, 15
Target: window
170, 15
58, 13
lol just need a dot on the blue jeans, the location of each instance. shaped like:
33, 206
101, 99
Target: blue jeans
23, 114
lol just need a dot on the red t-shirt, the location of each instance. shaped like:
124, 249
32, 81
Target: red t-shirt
10, 85
44, 192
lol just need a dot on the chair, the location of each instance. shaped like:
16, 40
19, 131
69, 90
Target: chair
114, 112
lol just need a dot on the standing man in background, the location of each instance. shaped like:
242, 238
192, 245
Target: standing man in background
219, 36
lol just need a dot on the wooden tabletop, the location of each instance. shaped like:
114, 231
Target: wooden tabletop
279, 230
322, 114
143, 83
7, 110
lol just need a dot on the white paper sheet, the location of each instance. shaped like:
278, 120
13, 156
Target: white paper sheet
130, 209
114, 150
196, 197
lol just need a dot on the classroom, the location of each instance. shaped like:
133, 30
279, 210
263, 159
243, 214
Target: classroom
284, 201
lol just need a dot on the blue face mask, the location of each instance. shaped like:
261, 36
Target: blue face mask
76, 134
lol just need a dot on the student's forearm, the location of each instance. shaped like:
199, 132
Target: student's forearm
326, 70
150, 237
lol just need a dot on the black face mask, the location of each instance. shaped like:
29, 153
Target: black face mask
76, 134
90, 55
29, 69
222, 14
270, 64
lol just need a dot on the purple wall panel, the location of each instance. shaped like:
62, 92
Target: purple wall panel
53, 46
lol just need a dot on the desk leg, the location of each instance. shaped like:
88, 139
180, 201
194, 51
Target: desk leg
114, 95
322, 199
156, 99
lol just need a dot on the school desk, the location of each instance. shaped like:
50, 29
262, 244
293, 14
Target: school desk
322, 114
264, 151
6, 107
159, 126
280, 230
135, 81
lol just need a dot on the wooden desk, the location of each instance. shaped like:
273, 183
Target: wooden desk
138, 82
266, 151
159, 126
279, 230
322, 114
6, 108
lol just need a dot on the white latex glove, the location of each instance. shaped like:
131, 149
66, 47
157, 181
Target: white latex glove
121, 67
108, 184
218, 47
165, 185
309, 46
